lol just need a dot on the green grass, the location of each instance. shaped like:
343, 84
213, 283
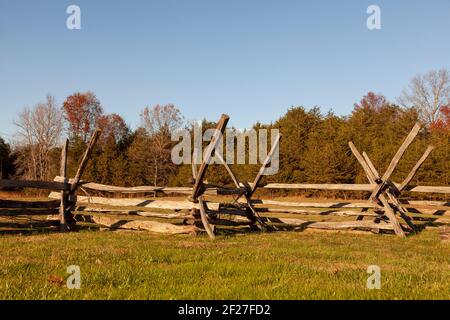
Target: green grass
279, 265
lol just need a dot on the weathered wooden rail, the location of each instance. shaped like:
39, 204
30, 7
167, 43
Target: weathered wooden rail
354, 187
383, 211
383, 208
66, 191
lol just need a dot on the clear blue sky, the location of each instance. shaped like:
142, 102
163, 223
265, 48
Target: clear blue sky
249, 58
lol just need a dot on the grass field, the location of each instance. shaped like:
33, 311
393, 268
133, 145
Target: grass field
279, 265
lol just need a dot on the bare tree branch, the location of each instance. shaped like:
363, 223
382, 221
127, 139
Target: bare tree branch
428, 93
39, 131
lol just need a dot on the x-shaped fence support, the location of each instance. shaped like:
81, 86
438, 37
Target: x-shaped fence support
68, 198
248, 190
385, 189
198, 176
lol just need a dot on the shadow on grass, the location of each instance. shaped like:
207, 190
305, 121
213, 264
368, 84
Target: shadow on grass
39, 227
29, 226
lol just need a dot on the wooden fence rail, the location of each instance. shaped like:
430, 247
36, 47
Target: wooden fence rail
66, 191
383, 210
354, 187
383, 207
57, 185
215, 190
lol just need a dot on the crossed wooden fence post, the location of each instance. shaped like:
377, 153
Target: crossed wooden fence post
246, 190
250, 189
68, 198
386, 190
199, 175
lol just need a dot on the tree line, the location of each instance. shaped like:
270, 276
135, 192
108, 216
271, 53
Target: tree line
314, 147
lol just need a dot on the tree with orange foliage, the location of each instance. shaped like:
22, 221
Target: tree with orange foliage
372, 101
82, 111
112, 126
443, 123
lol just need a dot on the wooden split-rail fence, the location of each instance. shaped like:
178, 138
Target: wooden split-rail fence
199, 210
66, 190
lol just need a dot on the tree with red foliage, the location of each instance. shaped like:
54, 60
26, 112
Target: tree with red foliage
372, 101
82, 111
443, 123
113, 126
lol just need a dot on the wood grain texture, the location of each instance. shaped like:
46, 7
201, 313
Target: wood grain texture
152, 214
215, 140
153, 226
203, 209
139, 202
63, 174
329, 225
414, 170
354, 187
395, 160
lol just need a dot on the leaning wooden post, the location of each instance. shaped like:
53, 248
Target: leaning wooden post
209, 230
414, 170
71, 198
389, 212
254, 186
221, 125
63, 173
258, 177
84, 161
391, 196
409, 139
395, 160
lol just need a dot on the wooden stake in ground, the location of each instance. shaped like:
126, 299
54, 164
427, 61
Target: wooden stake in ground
63, 173
208, 228
76, 181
